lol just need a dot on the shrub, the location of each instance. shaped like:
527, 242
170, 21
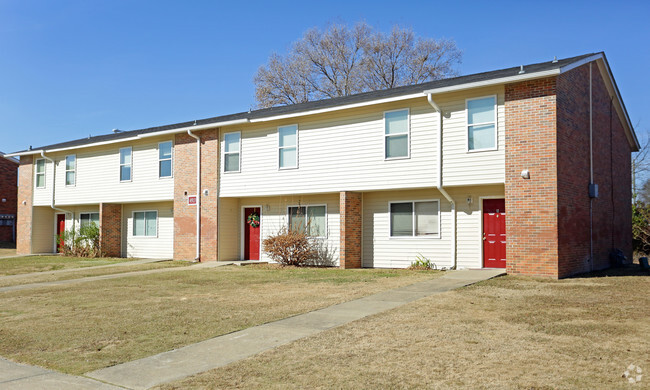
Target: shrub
290, 247
422, 263
83, 242
325, 254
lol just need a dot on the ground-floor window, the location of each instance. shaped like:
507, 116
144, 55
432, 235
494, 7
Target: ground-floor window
311, 219
88, 218
414, 219
145, 223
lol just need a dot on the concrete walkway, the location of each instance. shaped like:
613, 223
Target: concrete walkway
220, 351
53, 283
21, 376
58, 271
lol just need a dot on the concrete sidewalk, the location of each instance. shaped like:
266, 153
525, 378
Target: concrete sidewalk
222, 350
58, 271
27, 286
21, 376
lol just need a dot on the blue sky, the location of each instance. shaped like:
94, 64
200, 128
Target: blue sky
73, 68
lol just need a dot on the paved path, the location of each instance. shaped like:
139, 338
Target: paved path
58, 271
53, 283
220, 351
21, 376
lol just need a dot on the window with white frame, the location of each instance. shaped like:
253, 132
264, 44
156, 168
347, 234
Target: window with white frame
288, 146
310, 219
125, 164
231, 152
481, 124
40, 173
86, 219
415, 219
70, 170
145, 223
165, 159
396, 134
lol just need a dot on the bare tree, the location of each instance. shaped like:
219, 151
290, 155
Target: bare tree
640, 170
344, 60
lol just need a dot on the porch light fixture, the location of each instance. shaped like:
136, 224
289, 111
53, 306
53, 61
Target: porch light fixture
469, 200
525, 174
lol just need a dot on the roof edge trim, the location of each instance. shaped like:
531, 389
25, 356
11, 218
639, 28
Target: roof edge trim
337, 108
501, 80
135, 138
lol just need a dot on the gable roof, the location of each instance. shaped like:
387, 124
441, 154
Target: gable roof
531, 71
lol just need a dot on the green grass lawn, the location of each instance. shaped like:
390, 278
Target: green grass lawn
505, 333
29, 264
83, 327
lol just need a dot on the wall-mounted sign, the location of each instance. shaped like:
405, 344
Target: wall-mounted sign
191, 200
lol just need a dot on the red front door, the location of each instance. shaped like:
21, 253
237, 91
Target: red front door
60, 228
494, 233
252, 219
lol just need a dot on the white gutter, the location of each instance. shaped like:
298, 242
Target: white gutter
439, 181
198, 193
502, 80
338, 108
136, 137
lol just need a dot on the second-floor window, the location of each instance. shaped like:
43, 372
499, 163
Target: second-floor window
231, 152
125, 164
288, 146
70, 170
481, 124
40, 173
165, 159
396, 134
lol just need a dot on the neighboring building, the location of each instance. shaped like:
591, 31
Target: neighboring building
8, 198
500, 178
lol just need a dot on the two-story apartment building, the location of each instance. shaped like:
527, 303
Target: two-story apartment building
8, 194
526, 168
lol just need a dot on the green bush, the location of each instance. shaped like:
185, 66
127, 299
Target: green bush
82, 242
422, 263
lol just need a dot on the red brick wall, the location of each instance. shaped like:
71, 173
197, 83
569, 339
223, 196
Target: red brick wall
185, 182
8, 192
110, 229
611, 166
350, 211
24, 219
531, 205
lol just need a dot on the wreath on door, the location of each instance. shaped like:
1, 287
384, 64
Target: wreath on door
253, 220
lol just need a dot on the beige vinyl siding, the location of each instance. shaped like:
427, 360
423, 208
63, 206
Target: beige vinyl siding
461, 167
98, 176
469, 223
43, 196
274, 216
336, 151
159, 247
43, 233
382, 251
229, 229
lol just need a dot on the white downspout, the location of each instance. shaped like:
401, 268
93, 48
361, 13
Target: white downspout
439, 182
198, 193
52, 203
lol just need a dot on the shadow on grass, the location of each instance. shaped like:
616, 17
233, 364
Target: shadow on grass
625, 270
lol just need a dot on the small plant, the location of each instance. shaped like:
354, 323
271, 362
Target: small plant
83, 242
422, 263
290, 247
325, 254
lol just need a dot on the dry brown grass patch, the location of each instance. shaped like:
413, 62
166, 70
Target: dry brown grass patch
509, 332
